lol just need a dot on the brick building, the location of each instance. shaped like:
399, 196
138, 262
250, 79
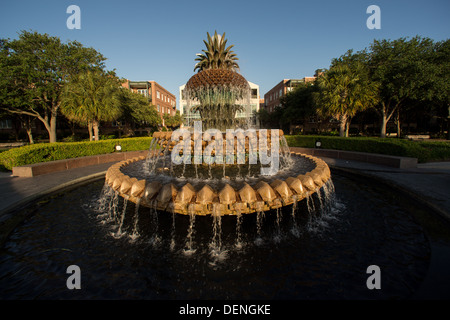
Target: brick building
162, 99
272, 97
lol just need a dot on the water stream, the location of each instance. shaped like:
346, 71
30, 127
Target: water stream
301, 254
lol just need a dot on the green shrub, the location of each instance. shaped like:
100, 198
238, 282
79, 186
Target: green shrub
422, 150
44, 152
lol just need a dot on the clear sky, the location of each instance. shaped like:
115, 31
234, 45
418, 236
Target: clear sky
274, 40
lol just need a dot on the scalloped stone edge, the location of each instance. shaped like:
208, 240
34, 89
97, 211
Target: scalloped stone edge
227, 201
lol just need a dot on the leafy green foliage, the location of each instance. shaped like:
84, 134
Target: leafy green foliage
407, 70
422, 150
173, 121
345, 89
299, 103
398, 78
89, 98
136, 108
33, 70
44, 152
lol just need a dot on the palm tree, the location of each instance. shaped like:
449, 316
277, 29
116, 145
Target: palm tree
344, 91
135, 109
88, 98
217, 55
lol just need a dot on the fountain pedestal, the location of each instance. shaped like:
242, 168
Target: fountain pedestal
266, 194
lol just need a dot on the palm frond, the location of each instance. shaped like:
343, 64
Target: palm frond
216, 55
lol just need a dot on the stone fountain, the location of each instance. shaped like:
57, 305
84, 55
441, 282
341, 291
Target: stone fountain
218, 190
226, 172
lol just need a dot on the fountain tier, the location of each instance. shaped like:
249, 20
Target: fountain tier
217, 95
272, 192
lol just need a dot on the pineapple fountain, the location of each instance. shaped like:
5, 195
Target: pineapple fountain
224, 211
222, 166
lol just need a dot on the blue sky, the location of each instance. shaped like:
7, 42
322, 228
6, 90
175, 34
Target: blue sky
274, 40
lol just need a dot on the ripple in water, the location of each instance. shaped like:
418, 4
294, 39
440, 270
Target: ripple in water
145, 254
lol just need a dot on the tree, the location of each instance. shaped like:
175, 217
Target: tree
270, 119
403, 70
89, 98
344, 90
440, 96
136, 108
173, 121
299, 103
33, 70
217, 55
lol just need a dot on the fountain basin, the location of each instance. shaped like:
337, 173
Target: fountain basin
228, 200
327, 258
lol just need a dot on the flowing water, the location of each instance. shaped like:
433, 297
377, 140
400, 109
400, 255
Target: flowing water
215, 176
129, 252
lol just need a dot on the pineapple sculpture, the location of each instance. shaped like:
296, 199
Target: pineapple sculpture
217, 91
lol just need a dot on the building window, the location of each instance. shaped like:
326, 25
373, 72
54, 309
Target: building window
6, 124
159, 108
158, 95
144, 92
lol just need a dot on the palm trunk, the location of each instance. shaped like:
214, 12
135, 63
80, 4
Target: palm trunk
342, 125
347, 126
384, 121
95, 125
91, 135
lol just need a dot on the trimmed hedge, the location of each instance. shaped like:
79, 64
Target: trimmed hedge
424, 151
44, 152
